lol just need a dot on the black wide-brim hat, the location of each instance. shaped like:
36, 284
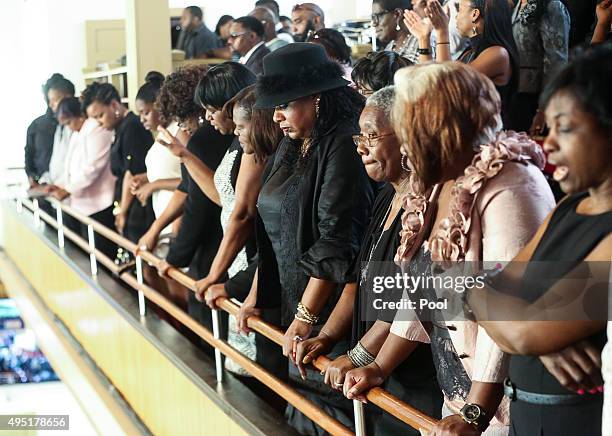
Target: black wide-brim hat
294, 71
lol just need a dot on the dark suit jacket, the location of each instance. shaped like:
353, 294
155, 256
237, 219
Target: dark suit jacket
255, 62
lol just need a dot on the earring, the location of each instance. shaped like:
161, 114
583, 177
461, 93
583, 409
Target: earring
317, 103
474, 30
117, 114
404, 163
398, 28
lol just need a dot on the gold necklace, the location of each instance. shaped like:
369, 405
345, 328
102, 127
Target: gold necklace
305, 146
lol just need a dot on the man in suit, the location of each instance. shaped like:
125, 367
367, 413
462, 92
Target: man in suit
247, 39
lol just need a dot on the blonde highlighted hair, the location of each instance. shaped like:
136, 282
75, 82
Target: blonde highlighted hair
442, 110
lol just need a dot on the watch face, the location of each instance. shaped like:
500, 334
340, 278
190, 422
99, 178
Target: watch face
471, 412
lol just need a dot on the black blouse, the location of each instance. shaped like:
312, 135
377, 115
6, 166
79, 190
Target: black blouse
568, 239
200, 233
507, 92
380, 247
39, 145
335, 197
128, 151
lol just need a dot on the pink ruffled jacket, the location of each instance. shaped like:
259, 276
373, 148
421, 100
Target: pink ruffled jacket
498, 205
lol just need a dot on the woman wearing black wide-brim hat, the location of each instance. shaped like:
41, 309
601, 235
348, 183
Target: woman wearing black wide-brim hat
313, 207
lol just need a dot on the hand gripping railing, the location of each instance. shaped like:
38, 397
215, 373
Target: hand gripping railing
377, 396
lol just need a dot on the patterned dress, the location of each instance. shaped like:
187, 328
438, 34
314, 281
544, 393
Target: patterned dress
225, 182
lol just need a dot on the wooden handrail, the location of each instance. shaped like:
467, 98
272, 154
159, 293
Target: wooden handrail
378, 396
303, 404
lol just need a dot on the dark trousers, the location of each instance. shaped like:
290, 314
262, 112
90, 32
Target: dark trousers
106, 218
578, 419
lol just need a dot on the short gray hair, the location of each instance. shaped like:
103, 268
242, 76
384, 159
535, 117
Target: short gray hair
382, 100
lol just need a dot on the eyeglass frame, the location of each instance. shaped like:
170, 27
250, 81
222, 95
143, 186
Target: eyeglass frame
238, 35
357, 139
375, 18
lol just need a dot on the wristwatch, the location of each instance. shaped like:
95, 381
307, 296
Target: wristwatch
474, 414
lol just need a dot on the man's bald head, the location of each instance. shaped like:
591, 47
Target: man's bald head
268, 20
306, 17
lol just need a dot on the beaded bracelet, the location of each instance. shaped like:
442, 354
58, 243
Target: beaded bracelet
305, 315
359, 356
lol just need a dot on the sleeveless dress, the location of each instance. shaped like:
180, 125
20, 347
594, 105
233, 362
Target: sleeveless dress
225, 181
567, 241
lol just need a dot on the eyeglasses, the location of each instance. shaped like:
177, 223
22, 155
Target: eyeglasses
237, 35
370, 140
378, 16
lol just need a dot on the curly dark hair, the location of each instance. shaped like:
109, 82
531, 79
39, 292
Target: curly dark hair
175, 99
103, 93
377, 69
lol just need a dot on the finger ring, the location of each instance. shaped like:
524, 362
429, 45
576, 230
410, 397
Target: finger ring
338, 385
297, 339
143, 247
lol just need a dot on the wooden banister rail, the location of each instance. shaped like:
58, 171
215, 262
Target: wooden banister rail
300, 402
378, 396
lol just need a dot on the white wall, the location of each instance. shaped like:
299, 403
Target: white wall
335, 10
40, 37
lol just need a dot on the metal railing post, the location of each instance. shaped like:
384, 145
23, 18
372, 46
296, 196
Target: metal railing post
36, 213
60, 226
92, 248
141, 299
217, 335
359, 413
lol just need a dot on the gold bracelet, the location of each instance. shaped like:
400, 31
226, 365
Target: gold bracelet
300, 318
305, 314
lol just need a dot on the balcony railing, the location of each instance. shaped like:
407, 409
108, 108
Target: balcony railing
378, 396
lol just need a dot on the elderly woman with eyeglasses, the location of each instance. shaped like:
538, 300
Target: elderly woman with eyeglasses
481, 198
414, 381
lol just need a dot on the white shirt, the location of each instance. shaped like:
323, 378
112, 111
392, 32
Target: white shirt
87, 175
244, 59
285, 36
161, 164
61, 145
